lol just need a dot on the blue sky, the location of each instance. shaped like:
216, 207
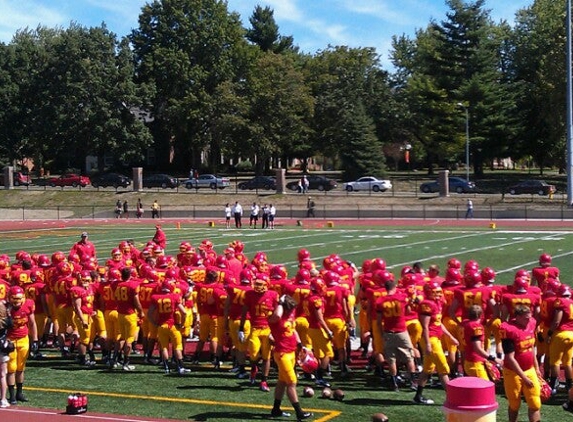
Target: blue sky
314, 24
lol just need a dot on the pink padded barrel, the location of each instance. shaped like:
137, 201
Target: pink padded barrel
470, 394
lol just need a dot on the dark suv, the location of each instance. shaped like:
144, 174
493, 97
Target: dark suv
110, 179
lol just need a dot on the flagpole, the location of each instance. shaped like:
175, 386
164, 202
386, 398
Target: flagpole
569, 119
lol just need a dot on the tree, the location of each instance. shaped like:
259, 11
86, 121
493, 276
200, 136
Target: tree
265, 32
189, 50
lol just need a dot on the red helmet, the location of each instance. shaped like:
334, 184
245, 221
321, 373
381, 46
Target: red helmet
171, 274
380, 277
247, 275
221, 261
261, 256
552, 285
545, 260
432, 290
74, 257
302, 276
406, 269
23, 256
16, 295
114, 275
261, 283
306, 264
184, 246
470, 265
64, 269
307, 361
303, 254
454, 263
167, 287
261, 265
523, 273
453, 276
279, 272
4, 263
377, 264
43, 261
237, 245
116, 254
37, 274
85, 277
329, 262
409, 279
545, 390
317, 285
162, 261
124, 246
520, 285
90, 264
152, 276
472, 279
205, 245
58, 257
488, 275
331, 278
366, 266
493, 372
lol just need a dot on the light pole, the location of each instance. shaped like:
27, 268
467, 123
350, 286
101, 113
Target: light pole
467, 140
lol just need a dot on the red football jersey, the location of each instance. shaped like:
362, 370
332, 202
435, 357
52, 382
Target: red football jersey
284, 334
473, 330
523, 340
432, 309
261, 306
393, 310
20, 320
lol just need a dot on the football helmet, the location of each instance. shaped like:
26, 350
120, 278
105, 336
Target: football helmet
65, 269
472, 279
303, 255
454, 263
221, 261
380, 277
279, 272
377, 264
331, 278
261, 283
564, 291
307, 361
317, 285
307, 264
206, 245
124, 246
523, 273
4, 263
552, 285
114, 275
545, 260
85, 277
406, 269
58, 257
453, 276
74, 257
17, 296
545, 390
366, 266
184, 246
247, 275
116, 254
237, 245
520, 285
488, 275
433, 290
171, 274
493, 372
302, 276
43, 261
37, 275
167, 287
162, 261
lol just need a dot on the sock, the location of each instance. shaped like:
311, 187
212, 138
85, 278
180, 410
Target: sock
419, 391
319, 373
568, 383
264, 378
553, 382
297, 409
19, 386
276, 406
11, 392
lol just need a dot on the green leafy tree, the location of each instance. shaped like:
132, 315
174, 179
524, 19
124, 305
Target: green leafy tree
189, 50
264, 32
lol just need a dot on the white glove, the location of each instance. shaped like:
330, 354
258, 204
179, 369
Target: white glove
242, 336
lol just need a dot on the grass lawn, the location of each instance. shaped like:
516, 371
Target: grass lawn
215, 395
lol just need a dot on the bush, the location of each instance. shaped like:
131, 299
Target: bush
244, 166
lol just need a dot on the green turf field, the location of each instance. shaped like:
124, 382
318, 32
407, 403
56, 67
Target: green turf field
211, 395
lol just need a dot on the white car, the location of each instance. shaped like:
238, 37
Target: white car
368, 183
207, 181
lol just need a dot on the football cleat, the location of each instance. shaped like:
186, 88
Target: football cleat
264, 387
279, 414
128, 367
423, 400
322, 383
303, 416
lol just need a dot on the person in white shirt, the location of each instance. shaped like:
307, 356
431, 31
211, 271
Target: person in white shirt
254, 215
227, 216
238, 214
272, 213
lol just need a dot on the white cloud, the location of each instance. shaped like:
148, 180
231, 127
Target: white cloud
19, 15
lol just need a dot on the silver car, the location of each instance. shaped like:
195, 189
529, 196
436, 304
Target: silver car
207, 181
368, 183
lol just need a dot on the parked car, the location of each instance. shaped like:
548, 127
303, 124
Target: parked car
110, 179
456, 184
207, 181
259, 182
315, 181
19, 179
69, 179
368, 183
160, 180
538, 187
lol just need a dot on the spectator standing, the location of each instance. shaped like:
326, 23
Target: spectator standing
125, 209
470, 209
304, 183
227, 216
238, 214
265, 215
254, 217
139, 209
118, 209
272, 214
310, 207
155, 208
4, 358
